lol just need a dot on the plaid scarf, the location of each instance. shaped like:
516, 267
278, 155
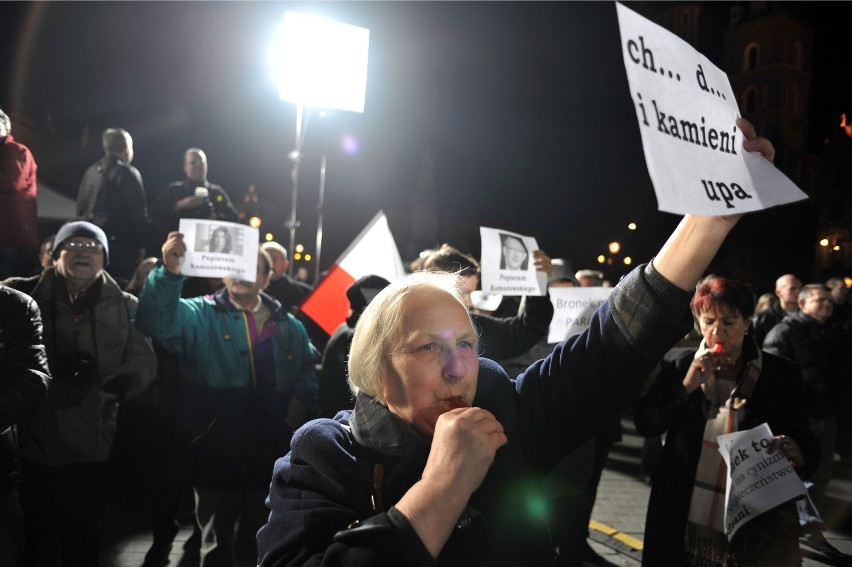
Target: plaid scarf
705, 538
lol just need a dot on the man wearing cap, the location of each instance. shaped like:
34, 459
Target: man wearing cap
19, 228
248, 381
194, 197
97, 358
112, 196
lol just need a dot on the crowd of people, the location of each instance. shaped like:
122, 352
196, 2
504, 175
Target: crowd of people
399, 440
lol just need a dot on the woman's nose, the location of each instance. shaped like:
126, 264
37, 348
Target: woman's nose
454, 364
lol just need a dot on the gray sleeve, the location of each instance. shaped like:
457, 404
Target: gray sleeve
646, 300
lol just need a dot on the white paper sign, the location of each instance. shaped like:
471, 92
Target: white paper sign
572, 310
507, 264
757, 482
219, 249
687, 112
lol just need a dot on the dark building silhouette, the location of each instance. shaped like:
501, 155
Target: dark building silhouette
766, 48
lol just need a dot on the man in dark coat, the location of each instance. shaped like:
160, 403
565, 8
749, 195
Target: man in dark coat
194, 197
112, 197
787, 290
807, 339
23, 385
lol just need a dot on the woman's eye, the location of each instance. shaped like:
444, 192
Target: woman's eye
430, 346
465, 344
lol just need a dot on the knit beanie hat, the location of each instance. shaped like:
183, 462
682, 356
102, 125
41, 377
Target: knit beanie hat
80, 228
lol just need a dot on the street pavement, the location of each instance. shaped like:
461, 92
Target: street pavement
618, 519
616, 530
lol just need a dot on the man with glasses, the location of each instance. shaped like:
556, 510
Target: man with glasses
97, 359
194, 197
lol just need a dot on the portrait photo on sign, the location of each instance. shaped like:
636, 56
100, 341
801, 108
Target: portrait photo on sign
514, 254
219, 249
507, 266
218, 238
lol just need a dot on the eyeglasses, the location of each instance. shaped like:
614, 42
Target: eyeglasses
76, 245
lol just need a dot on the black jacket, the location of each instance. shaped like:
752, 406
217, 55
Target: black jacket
23, 375
218, 205
112, 197
815, 347
507, 337
667, 408
763, 322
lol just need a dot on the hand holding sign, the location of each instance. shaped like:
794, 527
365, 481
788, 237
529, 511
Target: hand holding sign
512, 263
759, 477
174, 248
687, 111
213, 250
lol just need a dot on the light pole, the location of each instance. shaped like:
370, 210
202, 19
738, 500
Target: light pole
296, 157
317, 63
320, 210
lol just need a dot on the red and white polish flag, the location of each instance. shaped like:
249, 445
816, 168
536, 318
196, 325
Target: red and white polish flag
373, 252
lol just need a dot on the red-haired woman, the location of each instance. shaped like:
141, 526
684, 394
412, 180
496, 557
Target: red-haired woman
726, 385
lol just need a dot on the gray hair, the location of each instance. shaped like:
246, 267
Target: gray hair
115, 140
272, 245
380, 323
810, 289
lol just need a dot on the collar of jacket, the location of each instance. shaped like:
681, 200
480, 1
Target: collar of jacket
803, 318
50, 275
779, 311
222, 303
106, 161
375, 427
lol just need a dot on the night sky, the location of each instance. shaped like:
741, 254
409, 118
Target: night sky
517, 115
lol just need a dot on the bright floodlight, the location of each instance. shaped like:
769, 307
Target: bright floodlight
320, 63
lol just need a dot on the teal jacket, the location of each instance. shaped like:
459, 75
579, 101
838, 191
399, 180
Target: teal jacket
236, 383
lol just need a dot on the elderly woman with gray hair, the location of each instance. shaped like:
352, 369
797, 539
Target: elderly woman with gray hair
440, 461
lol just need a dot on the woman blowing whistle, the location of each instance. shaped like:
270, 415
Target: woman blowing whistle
413, 476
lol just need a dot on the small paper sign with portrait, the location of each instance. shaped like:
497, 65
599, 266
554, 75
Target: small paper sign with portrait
219, 249
508, 266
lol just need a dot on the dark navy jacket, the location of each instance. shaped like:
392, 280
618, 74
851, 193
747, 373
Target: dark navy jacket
324, 485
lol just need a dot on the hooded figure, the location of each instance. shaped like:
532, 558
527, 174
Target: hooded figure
334, 392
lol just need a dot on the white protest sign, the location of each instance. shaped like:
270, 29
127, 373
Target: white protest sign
687, 112
219, 249
507, 264
757, 482
572, 309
